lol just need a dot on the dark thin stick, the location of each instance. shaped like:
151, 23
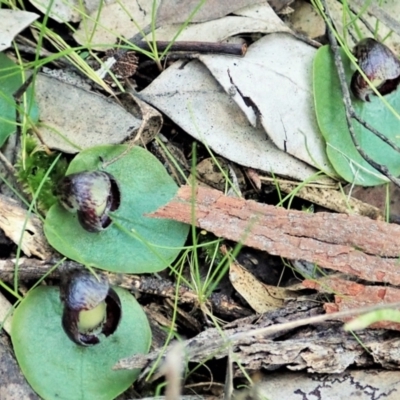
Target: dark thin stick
191, 47
17, 98
235, 49
22, 89
349, 110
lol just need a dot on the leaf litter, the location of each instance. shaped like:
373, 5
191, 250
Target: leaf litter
96, 119
275, 91
221, 102
189, 95
12, 23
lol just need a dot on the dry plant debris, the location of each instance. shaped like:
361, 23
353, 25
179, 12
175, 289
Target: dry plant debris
269, 341
14, 219
365, 252
12, 23
350, 244
360, 384
105, 120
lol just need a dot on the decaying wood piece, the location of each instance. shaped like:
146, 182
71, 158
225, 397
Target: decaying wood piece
321, 348
31, 269
14, 220
357, 384
350, 244
333, 200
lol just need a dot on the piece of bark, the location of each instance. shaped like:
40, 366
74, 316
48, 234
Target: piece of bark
13, 385
320, 348
350, 244
14, 220
350, 295
31, 269
360, 385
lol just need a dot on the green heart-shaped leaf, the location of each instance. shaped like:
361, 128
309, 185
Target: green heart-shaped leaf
57, 368
332, 121
10, 82
134, 243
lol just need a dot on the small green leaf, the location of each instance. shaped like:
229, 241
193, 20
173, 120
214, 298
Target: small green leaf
10, 82
332, 122
134, 243
57, 368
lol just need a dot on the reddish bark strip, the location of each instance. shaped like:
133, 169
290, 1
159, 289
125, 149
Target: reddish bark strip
347, 243
351, 295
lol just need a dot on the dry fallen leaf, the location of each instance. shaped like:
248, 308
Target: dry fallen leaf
59, 10
306, 20
272, 85
115, 21
256, 19
189, 95
260, 297
173, 12
12, 23
79, 119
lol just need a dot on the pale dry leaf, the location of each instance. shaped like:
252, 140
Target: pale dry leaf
264, 12
73, 119
15, 221
12, 23
272, 85
218, 30
114, 21
189, 95
305, 19
59, 10
69, 10
255, 19
261, 297
178, 11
